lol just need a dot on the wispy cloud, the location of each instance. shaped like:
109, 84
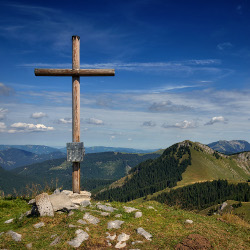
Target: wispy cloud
2, 127
216, 119
65, 121
182, 125
38, 115
224, 46
149, 124
21, 127
168, 106
5, 91
95, 121
3, 113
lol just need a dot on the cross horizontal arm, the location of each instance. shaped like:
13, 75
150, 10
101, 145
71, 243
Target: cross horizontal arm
74, 72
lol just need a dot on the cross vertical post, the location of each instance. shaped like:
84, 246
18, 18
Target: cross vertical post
76, 110
75, 150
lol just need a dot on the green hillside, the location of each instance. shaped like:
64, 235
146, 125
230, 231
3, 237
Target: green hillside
97, 169
182, 164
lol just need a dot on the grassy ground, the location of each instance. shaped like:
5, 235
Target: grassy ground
166, 224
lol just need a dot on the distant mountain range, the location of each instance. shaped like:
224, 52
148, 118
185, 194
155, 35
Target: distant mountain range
36, 149
230, 147
12, 158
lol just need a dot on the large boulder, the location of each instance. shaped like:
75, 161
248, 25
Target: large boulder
61, 201
44, 205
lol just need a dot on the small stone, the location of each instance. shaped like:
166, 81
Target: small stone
57, 191
224, 204
90, 218
15, 236
111, 237
32, 202
9, 221
106, 208
85, 203
71, 225
118, 216
138, 214
129, 209
120, 244
115, 224
55, 241
105, 214
109, 244
137, 242
123, 237
53, 236
77, 241
189, 221
144, 233
82, 222
70, 213
29, 246
38, 225
150, 207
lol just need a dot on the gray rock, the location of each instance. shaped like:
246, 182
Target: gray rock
29, 246
120, 244
106, 208
15, 236
77, 241
150, 207
57, 191
115, 224
224, 204
79, 198
144, 233
71, 225
55, 241
90, 218
118, 216
137, 242
86, 228
138, 214
9, 221
70, 213
189, 221
82, 222
85, 203
105, 214
129, 209
38, 225
53, 236
123, 237
111, 237
32, 202
61, 201
44, 205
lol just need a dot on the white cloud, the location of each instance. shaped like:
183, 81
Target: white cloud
65, 121
216, 119
183, 125
224, 46
149, 124
168, 106
2, 127
3, 113
4, 90
95, 121
38, 115
28, 127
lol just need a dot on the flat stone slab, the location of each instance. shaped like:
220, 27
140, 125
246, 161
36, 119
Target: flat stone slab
120, 244
38, 225
144, 233
129, 209
15, 236
106, 208
90, 218
123, 237
111, 237
138, 214
61, 201
83, 222
44, 205
77, 241
188, 221
115, 224
9, 221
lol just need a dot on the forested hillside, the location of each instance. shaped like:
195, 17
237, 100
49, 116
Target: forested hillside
180, 165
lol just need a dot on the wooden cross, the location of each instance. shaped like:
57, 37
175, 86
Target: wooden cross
75, 72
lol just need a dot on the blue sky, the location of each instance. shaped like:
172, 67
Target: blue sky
182, 71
